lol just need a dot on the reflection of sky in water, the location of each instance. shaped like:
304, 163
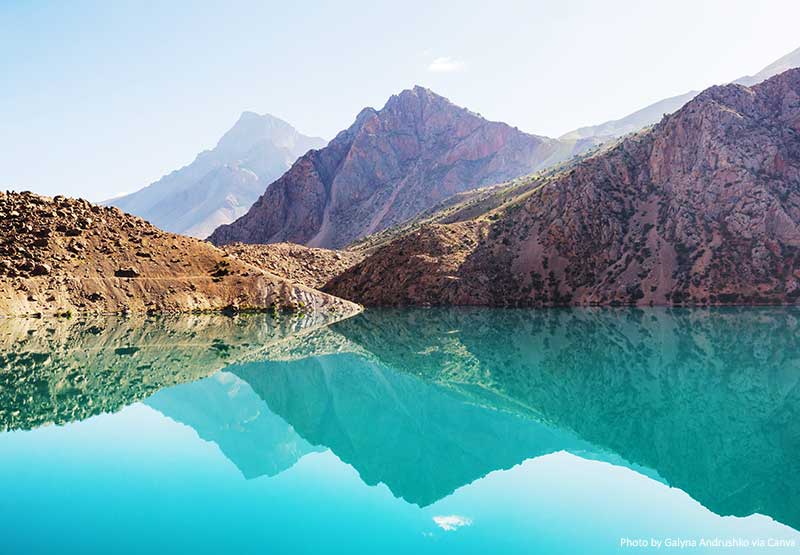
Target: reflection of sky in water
141, 482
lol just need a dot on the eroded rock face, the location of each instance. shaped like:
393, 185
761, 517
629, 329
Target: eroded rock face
65, 255
704, 208
388, 166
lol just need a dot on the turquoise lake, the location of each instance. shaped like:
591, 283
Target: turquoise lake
403, 431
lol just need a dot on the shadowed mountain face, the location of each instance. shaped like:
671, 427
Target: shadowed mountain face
707, 401
704, 208
224, 409
390, 165
222, 183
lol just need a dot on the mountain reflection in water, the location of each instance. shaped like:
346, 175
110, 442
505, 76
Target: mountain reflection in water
428, 400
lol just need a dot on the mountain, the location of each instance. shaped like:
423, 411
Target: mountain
222, 183
390, 165
654, 112
703, 208
61, 255
632, 122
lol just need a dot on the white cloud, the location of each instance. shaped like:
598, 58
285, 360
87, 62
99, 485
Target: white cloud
449, 523
446, 64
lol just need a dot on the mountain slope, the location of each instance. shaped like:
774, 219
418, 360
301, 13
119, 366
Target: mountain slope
654, 112
390, 165
65, 255
222, 183
703, 208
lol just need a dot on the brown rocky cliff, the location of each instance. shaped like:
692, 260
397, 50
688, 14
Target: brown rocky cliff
65, 255
387, 167
704, 208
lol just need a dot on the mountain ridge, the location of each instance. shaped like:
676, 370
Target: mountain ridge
652, 113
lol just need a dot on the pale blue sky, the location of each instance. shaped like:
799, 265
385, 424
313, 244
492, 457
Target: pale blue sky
99, 98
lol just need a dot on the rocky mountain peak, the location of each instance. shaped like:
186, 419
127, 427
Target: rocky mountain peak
420, 94
390, 165
776, 97
423, 105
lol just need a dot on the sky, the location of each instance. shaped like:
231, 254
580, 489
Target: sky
102, 98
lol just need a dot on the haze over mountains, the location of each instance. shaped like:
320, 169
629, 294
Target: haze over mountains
222, 183
420, 149
390, 165
654, 112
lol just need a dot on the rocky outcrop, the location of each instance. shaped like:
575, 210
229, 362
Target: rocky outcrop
60, 256
299, 264
704, 208
390, 165
221, 183
414, 269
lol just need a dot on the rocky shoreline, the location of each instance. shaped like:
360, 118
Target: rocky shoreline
60, 256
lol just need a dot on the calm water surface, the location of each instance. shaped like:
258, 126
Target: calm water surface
403, 431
